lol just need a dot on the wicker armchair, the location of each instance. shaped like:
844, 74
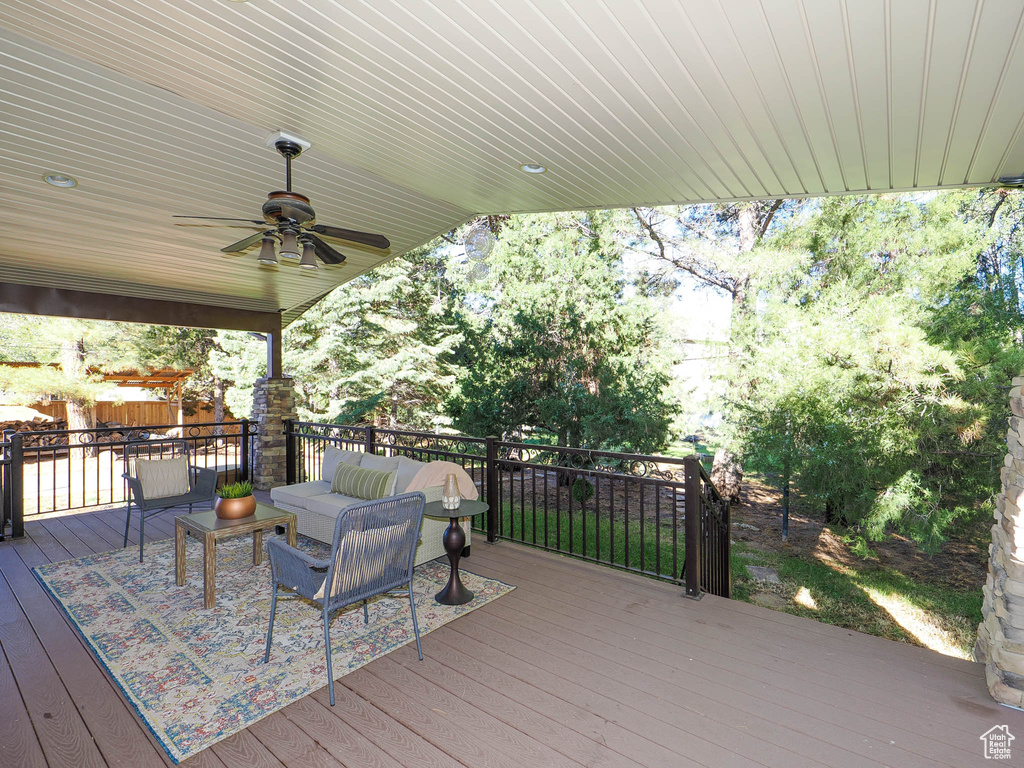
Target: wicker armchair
372, 552
202, 485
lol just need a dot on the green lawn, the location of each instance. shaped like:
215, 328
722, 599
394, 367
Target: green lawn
868, 598
683, 448
598, 539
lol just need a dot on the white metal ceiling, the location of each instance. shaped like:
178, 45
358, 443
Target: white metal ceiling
420, 112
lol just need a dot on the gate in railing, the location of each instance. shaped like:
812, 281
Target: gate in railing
653, 515
57, 470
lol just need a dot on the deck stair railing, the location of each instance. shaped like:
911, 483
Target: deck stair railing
653, 515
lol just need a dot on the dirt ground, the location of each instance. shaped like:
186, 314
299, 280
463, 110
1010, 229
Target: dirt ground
961, 563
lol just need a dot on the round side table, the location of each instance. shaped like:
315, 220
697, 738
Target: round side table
454, 593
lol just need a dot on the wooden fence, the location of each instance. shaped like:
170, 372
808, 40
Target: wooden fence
136, 414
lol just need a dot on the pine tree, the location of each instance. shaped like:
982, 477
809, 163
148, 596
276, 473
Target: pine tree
565, 349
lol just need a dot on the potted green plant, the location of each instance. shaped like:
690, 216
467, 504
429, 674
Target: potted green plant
235, 501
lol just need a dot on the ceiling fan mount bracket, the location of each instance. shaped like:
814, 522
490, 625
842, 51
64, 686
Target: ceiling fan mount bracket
288, 149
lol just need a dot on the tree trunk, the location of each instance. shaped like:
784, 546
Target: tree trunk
727, 475
79, 412
726, 471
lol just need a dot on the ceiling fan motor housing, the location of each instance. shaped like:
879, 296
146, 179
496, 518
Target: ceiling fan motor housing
281, 206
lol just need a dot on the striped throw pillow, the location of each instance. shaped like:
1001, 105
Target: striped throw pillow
363, 483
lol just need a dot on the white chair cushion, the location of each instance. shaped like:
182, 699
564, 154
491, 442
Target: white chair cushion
296, 495
334, 456
407, 469
382, 463
161, 478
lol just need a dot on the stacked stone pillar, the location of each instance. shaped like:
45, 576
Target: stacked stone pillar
273, 402
1001, 634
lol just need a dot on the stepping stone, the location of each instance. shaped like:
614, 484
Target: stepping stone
746, 526
761, 573
770, 600
748, 555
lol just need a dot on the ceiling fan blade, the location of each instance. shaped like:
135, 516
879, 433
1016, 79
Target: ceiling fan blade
326, 254
213, 224
364, 238
241, 245
220, 218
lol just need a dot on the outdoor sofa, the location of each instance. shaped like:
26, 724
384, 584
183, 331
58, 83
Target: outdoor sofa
316, 508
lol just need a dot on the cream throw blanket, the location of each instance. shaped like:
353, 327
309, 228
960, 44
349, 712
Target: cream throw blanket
433, 474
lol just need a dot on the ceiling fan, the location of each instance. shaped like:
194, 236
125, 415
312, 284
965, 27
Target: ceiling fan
291, 220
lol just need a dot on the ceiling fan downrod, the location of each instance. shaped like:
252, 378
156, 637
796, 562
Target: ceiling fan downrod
288, 150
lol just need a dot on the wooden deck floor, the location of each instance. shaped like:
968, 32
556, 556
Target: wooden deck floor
580, 665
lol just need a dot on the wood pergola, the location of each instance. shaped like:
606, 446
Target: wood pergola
171, 380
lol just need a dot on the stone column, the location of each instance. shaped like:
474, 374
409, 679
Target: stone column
1000, 643
273, 401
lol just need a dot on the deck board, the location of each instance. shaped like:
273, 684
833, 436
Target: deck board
783, 683
579, 666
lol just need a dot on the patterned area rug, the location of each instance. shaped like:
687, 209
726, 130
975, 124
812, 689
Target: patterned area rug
196, 676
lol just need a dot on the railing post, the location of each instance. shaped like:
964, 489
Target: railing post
17, 487
370, 439
693, 514
726, 553
491, 475
5, 481
243, 448
289, 452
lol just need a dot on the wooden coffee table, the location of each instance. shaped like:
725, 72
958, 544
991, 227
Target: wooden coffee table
211, 528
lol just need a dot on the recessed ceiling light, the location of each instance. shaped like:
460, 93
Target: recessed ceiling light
60, 180
532, 168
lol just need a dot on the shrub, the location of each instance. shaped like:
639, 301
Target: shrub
582, 489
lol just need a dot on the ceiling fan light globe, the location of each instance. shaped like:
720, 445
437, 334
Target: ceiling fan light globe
267, 255
308, 257
289, 245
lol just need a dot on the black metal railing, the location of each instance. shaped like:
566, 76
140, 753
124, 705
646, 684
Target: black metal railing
629, 511
56, 470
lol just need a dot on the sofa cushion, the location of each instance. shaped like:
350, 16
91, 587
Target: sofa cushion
330, 504
334, 456
296, 495
407, 469
363, 482
381, 463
